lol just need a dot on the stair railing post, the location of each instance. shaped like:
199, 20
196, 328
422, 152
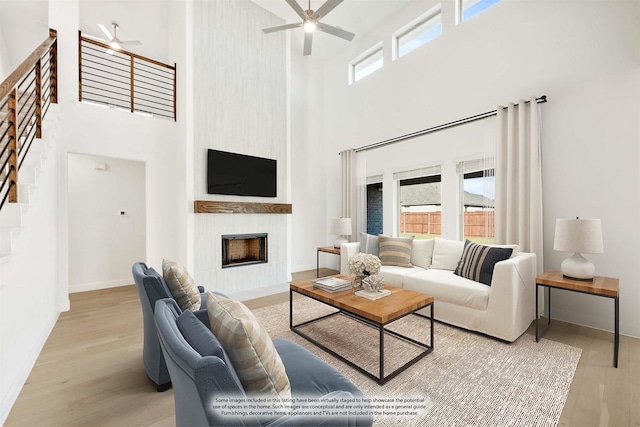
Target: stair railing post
13, 148
53, 68
131, 81
38, 111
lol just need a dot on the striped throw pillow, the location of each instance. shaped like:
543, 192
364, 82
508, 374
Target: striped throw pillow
477, 261
395, 250
250, 349
182, 286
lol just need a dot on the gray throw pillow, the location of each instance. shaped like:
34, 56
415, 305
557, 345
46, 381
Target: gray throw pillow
369, 244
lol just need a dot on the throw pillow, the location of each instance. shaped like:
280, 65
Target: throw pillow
516, 248
369, 244
249, 347
202, 340
395, 250
477, 261
446, 254
182, 286
422, 252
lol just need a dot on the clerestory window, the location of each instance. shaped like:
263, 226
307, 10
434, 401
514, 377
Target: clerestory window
417, 33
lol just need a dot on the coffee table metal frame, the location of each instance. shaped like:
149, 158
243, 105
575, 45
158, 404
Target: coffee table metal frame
381, 378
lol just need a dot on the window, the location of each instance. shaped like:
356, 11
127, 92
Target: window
477, 200
366, 63
374, 205
466, 9
420, 205
417, 33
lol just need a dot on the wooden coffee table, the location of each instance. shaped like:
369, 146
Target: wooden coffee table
376, 314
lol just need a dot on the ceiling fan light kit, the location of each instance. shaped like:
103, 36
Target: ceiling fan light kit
112, 39
311, 23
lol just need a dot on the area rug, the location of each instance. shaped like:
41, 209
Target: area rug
468, 380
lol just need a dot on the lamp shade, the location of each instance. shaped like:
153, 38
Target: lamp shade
579, 236
340, 227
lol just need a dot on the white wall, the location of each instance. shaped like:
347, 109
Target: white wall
240, 105
582, 55
106, 221
23, 26
28, 286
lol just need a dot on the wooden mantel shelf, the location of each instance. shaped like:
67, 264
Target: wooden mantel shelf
208, 206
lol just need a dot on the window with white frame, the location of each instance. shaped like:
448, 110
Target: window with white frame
374, 205
477, 200
417, 33
467, 9
366, 63
420, 203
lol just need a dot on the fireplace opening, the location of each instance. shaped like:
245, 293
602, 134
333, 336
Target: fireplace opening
244, 249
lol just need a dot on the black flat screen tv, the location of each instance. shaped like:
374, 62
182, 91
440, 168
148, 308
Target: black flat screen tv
241, 175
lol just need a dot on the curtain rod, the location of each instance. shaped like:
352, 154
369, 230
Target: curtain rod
540, 100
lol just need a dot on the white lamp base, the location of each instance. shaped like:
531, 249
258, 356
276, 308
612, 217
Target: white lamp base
578, 267
340, 240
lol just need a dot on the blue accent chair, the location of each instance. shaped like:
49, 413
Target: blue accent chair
201, 372
151, 288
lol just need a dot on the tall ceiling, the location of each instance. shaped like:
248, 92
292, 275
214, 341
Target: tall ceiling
356, 16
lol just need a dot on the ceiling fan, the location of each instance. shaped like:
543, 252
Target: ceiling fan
112, 39
311, 22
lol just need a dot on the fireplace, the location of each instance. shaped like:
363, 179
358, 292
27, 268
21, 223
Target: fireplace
244, 249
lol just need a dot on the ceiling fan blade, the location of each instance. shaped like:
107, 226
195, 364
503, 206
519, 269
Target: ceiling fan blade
281, 27
335, 31
105, 31
326, 8
132, 42
308, 38
295, 6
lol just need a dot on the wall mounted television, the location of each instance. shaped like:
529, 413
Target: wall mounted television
241, 175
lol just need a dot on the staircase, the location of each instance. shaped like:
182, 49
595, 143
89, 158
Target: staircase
25, 97
13, 215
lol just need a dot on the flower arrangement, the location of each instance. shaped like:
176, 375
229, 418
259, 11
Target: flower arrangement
362, 264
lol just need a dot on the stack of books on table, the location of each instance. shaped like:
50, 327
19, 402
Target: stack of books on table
331, 284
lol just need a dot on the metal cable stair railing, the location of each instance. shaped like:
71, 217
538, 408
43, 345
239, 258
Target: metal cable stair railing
25, 97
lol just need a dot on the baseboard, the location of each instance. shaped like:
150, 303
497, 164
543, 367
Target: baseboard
30, 360
83, 287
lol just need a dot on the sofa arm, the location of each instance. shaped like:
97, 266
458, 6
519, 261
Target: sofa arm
513, 293
347, 250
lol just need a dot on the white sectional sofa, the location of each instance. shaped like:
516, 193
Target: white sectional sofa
503, 310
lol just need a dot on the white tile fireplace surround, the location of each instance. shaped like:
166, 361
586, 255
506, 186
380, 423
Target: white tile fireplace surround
209, 229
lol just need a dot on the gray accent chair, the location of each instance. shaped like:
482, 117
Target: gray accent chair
201, 373
151, 288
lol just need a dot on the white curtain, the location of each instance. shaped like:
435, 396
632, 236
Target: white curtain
519, 177
353, 201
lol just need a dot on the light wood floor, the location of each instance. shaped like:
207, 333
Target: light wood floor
90, 370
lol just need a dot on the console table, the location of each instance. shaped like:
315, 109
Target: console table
607, 287
325, 249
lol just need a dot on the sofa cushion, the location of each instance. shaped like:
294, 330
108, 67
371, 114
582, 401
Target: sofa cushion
310, 376
445, 286
182, 286
446, 254
422, 252
202, 340
369, 244
477, 261
394, 275
249, 347
395, 250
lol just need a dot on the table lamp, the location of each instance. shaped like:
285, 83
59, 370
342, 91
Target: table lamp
578, 236
340, 227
